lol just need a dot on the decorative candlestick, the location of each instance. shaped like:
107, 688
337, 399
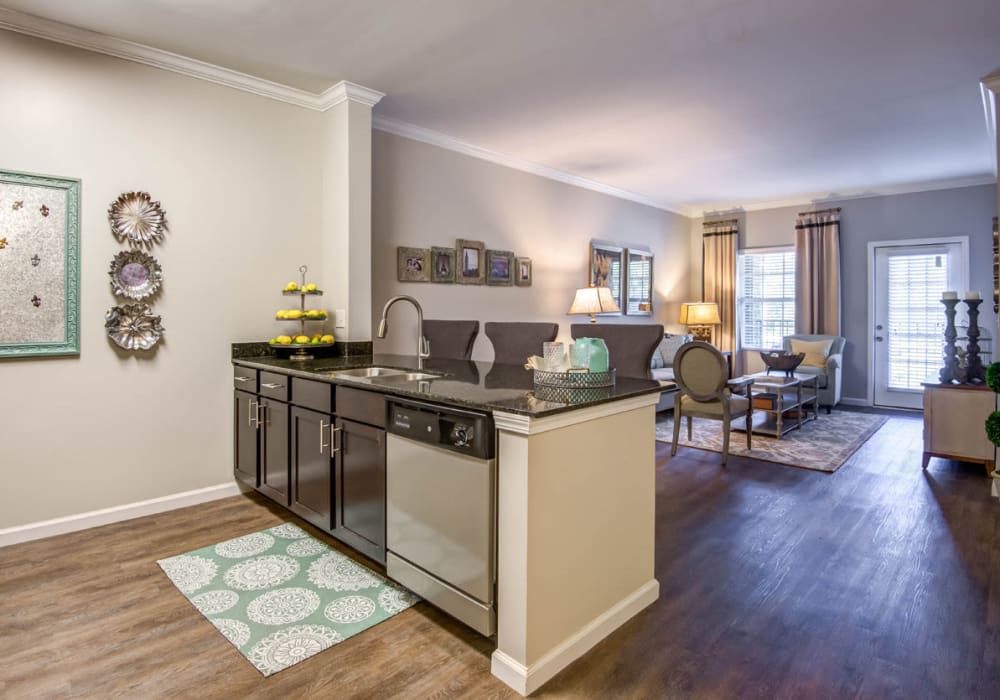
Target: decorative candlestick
975, 373
950, 372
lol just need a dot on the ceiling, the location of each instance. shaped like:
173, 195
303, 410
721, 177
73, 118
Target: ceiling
695, 104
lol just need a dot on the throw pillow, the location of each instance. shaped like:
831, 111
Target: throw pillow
816, 351
670, 344
657, 362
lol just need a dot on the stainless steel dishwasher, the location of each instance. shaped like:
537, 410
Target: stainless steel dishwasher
441, 508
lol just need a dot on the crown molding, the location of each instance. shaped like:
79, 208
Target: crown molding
436, 138
808, 200
157, 58
990, 87
346, 90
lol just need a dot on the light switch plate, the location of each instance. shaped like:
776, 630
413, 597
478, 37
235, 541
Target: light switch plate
340, 318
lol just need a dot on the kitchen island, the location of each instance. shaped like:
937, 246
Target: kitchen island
575, 497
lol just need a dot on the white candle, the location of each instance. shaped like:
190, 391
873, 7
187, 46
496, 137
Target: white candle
949, 295
972, 296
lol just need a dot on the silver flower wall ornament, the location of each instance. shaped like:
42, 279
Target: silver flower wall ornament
135, 275
133, 326
135, 217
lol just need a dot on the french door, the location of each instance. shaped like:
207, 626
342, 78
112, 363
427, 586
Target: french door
908, 316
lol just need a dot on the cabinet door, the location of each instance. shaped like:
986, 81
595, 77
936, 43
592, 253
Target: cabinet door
274, 450
312, 467
361, 492
245, 454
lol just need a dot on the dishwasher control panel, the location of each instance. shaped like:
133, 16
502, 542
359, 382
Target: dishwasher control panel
465, 432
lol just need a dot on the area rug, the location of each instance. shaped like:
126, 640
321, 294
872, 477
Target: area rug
823, 444
280, 596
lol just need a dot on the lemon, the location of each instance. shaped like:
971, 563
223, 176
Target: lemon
327, 338
293, 314
291, 287
309, 287
280, 313
284, 340
301, 339
273, 341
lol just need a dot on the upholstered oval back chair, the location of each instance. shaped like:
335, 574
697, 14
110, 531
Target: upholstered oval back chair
702, 376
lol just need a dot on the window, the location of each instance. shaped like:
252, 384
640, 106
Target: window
916, 324
766, 297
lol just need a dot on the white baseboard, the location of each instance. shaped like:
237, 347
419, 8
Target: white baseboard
848, 401
105, 516
528, 679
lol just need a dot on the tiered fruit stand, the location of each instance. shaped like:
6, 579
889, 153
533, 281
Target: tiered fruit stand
301, 350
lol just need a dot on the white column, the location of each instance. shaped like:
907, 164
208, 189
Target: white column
345, 258
576, 534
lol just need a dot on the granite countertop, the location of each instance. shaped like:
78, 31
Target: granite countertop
480, 385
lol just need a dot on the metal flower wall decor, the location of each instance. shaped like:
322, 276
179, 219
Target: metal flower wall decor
135, 275
135, 217
133, 326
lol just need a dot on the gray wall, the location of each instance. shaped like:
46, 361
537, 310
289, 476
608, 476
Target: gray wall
426, 196
965, 211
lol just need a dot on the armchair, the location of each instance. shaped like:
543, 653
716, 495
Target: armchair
829, 377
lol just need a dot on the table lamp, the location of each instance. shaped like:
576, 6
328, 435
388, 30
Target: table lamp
699, 317
593, 300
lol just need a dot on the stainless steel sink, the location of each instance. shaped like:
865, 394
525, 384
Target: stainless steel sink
407, 377
367, 372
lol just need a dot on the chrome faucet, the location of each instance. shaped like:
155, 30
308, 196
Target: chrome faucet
423, 346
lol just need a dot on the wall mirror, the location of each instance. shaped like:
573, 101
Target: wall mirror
638, 282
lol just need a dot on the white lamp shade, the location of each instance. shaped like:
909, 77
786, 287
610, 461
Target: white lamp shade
593, 300
700, 313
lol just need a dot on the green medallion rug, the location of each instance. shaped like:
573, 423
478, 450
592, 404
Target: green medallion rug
823, 444
280, 596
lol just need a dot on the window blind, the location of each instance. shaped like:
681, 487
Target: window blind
766, 298
915, 322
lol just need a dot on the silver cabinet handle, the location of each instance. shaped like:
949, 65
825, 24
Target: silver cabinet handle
323, 426
250, 412
333, 438
272, 386
260, 408
243, 379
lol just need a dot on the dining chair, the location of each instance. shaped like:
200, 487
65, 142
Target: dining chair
515, 341
702, 376
451, 339
630, 346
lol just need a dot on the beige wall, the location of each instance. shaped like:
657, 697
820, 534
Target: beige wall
238, 179
426, 196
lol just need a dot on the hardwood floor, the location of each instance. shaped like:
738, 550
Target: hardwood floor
879, 580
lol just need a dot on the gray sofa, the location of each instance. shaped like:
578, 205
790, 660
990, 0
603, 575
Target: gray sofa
662, 367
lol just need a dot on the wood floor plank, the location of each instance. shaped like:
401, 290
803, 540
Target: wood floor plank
878, 581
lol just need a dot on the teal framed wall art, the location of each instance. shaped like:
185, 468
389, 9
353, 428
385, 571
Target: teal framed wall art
39, 265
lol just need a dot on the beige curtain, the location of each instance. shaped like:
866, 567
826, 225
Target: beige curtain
719, 244
817, 273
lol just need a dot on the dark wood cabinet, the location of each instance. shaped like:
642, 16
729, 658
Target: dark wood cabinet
361, 487
312, 467
274, 450
245, 445
329, 470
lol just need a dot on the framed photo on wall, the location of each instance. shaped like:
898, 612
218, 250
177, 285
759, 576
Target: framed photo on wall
413, 264
470, 263
638, 282
499, 268
607, 268
39, 265
522, 272
442, 264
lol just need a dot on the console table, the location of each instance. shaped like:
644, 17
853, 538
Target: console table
954, 418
